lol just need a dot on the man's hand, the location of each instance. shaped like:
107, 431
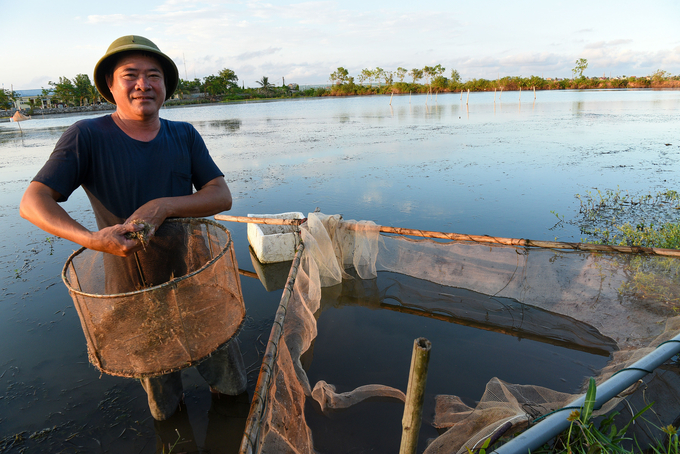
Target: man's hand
113, 240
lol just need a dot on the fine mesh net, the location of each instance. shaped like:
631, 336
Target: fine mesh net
164, 308
608, 303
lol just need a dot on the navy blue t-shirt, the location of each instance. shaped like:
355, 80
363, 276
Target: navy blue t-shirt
120, 174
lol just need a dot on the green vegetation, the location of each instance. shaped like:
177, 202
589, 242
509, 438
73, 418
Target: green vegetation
585, 437
581, 65
7, 98
616, 217
224, 86
619, 218
380, 81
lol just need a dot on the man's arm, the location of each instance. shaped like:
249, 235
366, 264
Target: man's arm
214, 197
39, 206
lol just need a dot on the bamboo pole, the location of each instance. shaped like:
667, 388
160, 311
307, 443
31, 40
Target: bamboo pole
251, 439
415, 394
586, 247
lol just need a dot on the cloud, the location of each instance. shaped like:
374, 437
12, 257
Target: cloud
257, 53
605, 44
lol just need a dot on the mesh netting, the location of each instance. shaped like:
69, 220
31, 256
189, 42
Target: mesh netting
604, 302
162, 309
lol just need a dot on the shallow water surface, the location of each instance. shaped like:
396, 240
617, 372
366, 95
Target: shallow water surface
490, 167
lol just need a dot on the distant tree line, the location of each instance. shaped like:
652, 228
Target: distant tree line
224, 85
379, 81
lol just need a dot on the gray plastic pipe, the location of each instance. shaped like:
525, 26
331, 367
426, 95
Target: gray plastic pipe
557, 423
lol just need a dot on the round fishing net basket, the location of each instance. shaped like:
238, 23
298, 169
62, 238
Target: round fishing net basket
164, 308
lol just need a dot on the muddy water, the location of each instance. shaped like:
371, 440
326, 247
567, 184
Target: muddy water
495, 168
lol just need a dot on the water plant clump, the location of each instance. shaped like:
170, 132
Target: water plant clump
618, 218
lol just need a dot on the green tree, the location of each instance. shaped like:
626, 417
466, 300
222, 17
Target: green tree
82, 88
417, 74
379, 74
212, 85
660, 75
64, 91
440, 83
339, 76
5, 100
186, 87
581, 65
229, 79
366, 74
265, 85
455, 76
433, 71
401, 73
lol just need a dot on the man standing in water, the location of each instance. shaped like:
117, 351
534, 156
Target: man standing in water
133, 165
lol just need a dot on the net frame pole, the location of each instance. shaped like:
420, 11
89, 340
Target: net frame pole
251, 435
586, 247
534, 437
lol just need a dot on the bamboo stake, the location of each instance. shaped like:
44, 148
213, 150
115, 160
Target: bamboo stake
251, 439
586, 247
415, 394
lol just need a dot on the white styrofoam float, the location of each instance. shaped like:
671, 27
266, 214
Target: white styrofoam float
273, 243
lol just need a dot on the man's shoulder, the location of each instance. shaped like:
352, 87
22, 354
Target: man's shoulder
97, 124
178, 125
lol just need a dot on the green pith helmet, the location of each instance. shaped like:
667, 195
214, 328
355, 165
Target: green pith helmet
133, 43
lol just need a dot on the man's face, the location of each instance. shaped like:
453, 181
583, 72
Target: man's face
137, 86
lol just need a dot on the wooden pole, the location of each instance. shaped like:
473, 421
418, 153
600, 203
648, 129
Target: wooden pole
467, 101
534, 92
520, 93
251, 435
391, 98
415, 395
587, 247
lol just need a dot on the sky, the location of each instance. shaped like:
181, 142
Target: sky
304, 42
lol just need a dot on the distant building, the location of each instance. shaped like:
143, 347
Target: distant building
26, 96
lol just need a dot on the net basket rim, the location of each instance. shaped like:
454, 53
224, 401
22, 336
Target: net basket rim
172, 282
